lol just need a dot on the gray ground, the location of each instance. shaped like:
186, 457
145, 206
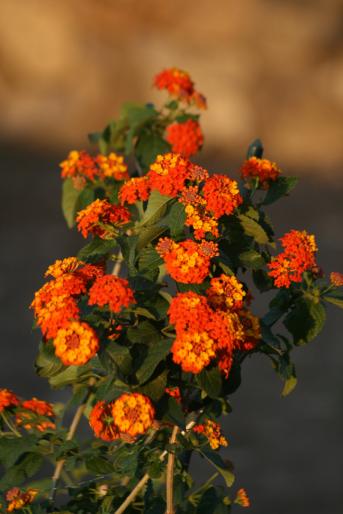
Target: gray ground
287, 451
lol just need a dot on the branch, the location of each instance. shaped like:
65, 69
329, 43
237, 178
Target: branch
170, 475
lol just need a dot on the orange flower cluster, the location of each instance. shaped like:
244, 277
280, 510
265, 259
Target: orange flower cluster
187, 262
135, 189
80, 167
112, 291
222, 195
266, 171
179, 84
185, 138
7, 399
102, 219
212, 327
55, 304
19, 499
336, 279
130, 415
168, 174
33, 408
174, 392
242, 498
298, 256
76, 344
212, 431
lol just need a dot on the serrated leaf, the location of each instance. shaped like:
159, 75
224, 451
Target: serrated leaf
156, 387
279, 188
335, 296
47, 364
120, 355
156, 353
69, 375
28, 466
98, 465
211, 382
253, 229
147, 234
305, 321
252, 259
149, 258
156, 208
70, 197
12, 449
148, 147
96, 249
175, 220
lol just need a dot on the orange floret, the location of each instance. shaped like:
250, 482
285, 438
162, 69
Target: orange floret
79, 166
112, 291
187, 262
222, 195
336, 279
101, 218
212, 431
133, 413
40, 407
226, 292
76, 344
242, 498
28, 419
7, 399
185, 138
56, 314
19, 499
266, 171
135, 189
112, 166
298, 256
168, 174
177, 82
60, 267
193, 350
189, 311
101, 422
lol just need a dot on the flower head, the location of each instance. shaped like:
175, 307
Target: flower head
76, 344
100, 218
266, 171
336, 278
226, 292
133, 413
112, 291
212, 431
222, 195
135, 189
242, 498
179, 84
187, 262
168, 174
101, 421
8, 399
185, 138
18, 499
193, 350
174, 392
112, 166
34, 409
60, 267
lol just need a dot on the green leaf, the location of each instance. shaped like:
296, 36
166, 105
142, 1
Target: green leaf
69, 375
225, 469
98, 465
149, 259
252, 259
210, 503
156, 353
148, 147
156, 387
138, 115
156, 208
27, 466
253, 229
12, 449
47, 364
175, 219
290, 384
147, 234
280, 187
175, 413
334, 296
85, 197
255, 149
144, 332
120, 355
70, 197
262, 280
211, 382
305, 321
96, 250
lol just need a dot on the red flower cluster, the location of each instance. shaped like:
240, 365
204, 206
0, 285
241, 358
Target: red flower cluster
7, 399
222, 195
179, 84
112, 291
187, 262
185, 138
102, 219
168, 174
80, 167
298, 256
212, 431
266, 171
135, 189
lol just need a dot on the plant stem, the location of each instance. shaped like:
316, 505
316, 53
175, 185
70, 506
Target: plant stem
72, 429
170, 475
117, 265
9, 425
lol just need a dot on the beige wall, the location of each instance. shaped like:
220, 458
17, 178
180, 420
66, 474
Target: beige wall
269, 68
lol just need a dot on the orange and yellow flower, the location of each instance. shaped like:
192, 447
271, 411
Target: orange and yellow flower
185, 138
8, 399
19, 499
336, 278
242, 498
111, 291
63, 266
76, 344
179, 84
263, 169
193, 350
101, 422
226, 292
33, 408
101, 218
133, 414
133, 190
213, 433
222, 195
187, 262
112, 166
168, 174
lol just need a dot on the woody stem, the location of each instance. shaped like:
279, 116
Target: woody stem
71, 432
170, 474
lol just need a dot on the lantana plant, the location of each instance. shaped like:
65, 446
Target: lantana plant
148, 327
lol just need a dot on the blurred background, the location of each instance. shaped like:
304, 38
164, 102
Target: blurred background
269, 68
